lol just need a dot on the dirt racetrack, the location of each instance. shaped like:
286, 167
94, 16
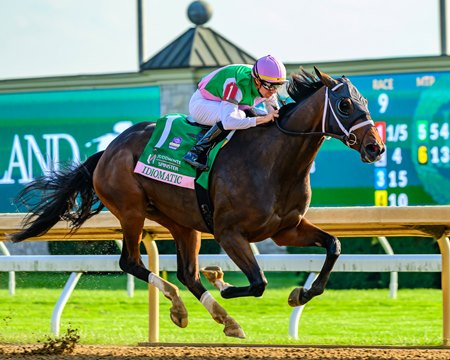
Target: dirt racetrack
84, 352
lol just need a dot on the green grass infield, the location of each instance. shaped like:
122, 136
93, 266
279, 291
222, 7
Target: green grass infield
103, 313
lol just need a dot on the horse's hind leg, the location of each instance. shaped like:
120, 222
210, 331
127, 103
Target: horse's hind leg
188, 243
131, 262
120, 192
214, 275
306, 234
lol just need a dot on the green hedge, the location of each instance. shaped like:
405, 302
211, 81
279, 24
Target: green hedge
83, 248
110, 247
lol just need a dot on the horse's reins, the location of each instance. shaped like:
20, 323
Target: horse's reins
348, 137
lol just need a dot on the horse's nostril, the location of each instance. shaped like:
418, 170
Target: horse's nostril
373, 149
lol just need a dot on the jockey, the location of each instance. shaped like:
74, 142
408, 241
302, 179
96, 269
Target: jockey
223, 95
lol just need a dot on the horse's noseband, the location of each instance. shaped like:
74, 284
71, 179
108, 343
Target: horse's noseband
351, 139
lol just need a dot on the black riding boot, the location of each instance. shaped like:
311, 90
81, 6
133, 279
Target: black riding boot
198, 155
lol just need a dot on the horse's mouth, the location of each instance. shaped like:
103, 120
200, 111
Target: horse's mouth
372, 152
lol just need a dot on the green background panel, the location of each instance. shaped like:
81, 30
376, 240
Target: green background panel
80, 122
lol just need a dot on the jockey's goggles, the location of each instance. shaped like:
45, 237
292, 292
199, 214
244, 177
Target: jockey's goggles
270, 86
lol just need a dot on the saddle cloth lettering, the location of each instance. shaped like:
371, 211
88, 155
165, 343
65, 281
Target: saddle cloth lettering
162, 158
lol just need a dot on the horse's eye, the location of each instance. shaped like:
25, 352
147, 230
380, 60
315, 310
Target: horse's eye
345, 106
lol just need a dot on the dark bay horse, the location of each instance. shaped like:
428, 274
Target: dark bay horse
260, 189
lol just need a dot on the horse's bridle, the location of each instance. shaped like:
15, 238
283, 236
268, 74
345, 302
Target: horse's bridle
347, 136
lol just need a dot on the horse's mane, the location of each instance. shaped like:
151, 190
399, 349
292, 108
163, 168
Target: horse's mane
301, 86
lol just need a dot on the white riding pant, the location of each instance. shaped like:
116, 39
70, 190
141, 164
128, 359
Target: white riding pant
209, 112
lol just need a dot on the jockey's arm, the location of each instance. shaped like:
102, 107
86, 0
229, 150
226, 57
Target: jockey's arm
233, 118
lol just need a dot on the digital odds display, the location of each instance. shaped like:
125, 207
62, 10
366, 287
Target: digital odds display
412, 113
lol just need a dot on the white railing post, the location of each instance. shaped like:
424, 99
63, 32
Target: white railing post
393, 283
12, 274
62, 301
297, 311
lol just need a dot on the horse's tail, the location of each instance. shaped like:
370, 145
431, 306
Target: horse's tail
57, 197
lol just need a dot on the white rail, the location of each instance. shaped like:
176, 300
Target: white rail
278, 262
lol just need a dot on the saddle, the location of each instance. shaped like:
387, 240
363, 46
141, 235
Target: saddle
162, 159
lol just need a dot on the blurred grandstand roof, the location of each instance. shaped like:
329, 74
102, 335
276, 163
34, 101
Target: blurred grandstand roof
198, 47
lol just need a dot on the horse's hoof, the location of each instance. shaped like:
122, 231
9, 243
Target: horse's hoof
179, 319
212, 273
178, 313
297, 297
235, 332
233, 329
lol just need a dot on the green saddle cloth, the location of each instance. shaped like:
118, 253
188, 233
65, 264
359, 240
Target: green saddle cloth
162, 158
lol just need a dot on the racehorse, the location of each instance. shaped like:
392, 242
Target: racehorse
259, 187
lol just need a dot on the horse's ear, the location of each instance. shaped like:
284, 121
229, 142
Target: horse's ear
326, 79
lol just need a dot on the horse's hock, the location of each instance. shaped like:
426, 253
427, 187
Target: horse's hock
421, 221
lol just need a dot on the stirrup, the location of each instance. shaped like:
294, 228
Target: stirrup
191, 159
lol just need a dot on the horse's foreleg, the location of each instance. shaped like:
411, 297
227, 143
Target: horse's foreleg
306, 234
301, 296
219, 314
238, 249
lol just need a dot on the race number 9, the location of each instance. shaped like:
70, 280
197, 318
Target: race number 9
383, 101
